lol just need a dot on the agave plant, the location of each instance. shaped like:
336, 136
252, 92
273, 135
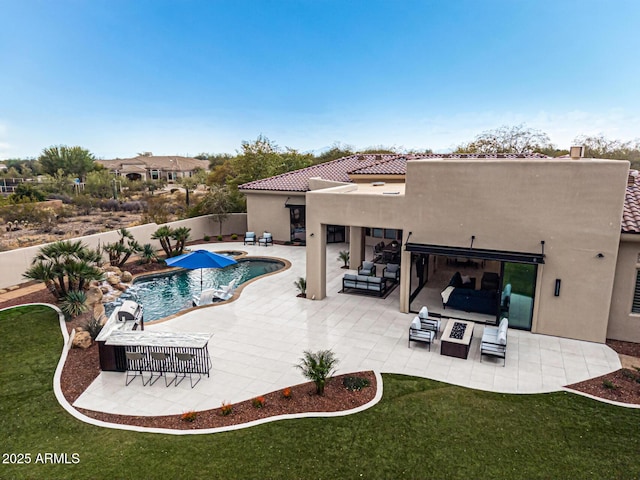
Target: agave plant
318, 367
94, 327
74, 304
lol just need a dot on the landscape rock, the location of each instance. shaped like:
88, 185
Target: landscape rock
98, 311
94, 295
112, 269
121, 286
82, 340
113, 279
126, 277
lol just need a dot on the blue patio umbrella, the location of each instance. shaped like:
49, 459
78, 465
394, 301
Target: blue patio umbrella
200, 259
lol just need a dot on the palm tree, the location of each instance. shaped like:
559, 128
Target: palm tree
163, 234
344, 256
120, 251
180, 235
64, 266
318, 367
148, 254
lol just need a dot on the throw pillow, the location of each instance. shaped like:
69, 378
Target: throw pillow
466, 279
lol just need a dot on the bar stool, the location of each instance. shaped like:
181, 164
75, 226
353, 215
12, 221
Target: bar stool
186, 363
136, 363
161, 363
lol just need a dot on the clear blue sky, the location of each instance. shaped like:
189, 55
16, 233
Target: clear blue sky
183, 77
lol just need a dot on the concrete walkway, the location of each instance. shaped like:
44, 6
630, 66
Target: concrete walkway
258, 339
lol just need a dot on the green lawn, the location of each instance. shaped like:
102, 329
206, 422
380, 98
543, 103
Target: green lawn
420, 429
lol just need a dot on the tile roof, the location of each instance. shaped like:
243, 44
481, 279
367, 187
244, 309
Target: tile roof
631, 210
339, 170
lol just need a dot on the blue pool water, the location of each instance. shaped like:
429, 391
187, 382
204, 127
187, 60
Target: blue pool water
169, 293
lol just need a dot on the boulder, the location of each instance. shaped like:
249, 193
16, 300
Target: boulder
121, 287
114, 270
113, 279
98, 310
94, 295
126, 277
82, 340
105, 290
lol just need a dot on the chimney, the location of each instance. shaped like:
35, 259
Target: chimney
576, 153
631, 179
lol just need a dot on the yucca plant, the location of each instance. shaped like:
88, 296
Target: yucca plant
148, 254
74, 304
301, 285
318, 367
94, 327
344, 256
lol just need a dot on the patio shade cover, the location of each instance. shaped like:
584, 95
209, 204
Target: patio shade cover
200, 259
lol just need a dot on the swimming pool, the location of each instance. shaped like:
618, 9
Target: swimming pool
169, 293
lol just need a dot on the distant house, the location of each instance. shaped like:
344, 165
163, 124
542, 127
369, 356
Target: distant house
151, 167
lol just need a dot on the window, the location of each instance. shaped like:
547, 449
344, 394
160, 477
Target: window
635, 307
377, 232
390, 233
155, 174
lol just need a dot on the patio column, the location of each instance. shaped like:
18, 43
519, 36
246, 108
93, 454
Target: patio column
316, 261
405, 276
356, 247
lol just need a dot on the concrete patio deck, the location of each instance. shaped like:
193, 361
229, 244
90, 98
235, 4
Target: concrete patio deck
258, 339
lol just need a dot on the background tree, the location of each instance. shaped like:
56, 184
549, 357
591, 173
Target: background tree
505, 139
72, 160
337, 150
217, 202
100, 184
598, 146
25, 192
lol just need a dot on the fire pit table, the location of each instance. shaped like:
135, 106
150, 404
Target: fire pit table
456, 338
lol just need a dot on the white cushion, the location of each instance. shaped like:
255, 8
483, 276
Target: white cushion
504, 323
416, 323
424, 312
392, 268
466, 279
502, 337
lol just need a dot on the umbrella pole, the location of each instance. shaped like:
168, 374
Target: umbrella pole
200, 280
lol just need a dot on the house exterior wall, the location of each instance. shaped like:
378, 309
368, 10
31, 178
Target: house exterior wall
624, 325
268, 213
575, 206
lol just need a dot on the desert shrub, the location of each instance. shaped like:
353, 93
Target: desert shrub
258, 402
355, 383
93, 327
234, 236
609, 385
66, 199
134, 206
27, 192
189, 416
226, 408
219, 237
110, 205
206, 238
286, 392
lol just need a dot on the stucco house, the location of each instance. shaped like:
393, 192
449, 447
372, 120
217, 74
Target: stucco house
153, 167
552, 242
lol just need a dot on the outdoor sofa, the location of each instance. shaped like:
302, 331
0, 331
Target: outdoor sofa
364, 284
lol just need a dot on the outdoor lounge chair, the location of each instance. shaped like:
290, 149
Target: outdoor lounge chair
391, 272
429, 322
367, 268
225, 292
250, 237
206, 297
419, 333
266, 239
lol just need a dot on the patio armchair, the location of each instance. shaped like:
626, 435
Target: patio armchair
419, 333
428, 321
367, 268
391, 272
266, 239
250, 237
494, 341
205, 297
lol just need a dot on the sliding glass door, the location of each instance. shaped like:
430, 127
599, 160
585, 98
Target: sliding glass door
517, 293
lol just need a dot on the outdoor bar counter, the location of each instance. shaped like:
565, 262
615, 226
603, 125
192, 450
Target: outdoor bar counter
118, 337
